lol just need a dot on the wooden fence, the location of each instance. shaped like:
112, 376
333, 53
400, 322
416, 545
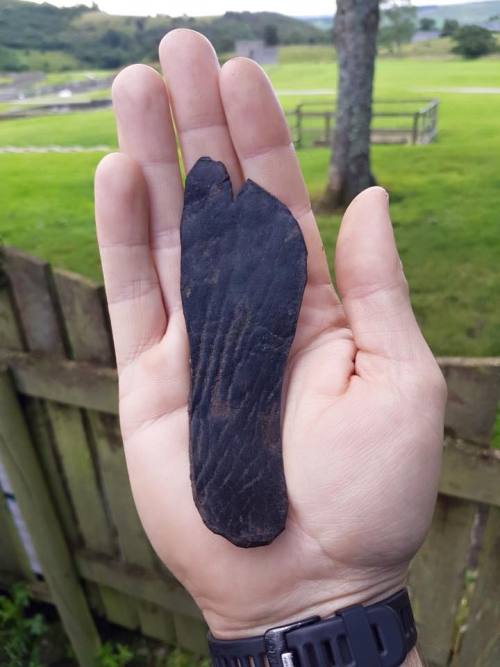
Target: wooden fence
61, 450
414, 122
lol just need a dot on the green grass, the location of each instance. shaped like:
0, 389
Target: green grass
306, 53
447, 233
75, 76
430, 48
85, 128
441, 48
396, 76
445, 197
47, 208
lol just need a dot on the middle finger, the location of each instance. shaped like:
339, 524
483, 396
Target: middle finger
191, 69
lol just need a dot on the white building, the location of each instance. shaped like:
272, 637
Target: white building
257, 50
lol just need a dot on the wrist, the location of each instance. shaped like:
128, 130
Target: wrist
383, 631
305, 600
413, 660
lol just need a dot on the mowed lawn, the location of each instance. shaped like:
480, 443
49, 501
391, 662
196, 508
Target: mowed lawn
445, 197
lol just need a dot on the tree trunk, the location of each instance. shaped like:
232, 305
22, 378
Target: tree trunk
356, 27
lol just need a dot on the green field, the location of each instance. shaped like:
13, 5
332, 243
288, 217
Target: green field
445, 197
46, 61
430, 48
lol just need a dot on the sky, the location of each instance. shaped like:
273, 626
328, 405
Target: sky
215, 7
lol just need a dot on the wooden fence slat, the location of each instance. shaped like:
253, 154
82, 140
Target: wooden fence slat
93, 387
10, 335
33, 284
45, 332
156, 623
37, 590
437, 576
471, 472
71, 441
15, 267
119, 608
94, 598
137, 583
132, 540
481, 641
191, 634
13, 558
188, 625
38, 419
477, 363
82, 306
131, 537
19, 458
27, 275
68, 382
473, 395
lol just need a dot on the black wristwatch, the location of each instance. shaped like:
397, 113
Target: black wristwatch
378, 635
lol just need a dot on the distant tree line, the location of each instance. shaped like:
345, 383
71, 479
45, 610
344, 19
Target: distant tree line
399, 24
34, 36
100, 40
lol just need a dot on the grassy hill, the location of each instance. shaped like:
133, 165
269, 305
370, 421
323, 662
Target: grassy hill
470, 12
44, 37
464, 12
322, 22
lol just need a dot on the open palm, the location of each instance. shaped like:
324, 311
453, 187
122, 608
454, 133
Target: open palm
363, 396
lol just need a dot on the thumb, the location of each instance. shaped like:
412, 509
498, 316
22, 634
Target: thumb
372, 284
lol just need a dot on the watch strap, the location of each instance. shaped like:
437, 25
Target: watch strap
377, 635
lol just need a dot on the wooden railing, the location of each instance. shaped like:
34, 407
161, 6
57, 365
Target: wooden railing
62, 455
312, 123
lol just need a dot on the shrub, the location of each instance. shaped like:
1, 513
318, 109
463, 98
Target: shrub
472, 41
450, 28
20, 635
114, 655
427, 24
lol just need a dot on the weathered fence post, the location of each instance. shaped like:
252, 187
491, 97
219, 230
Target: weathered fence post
414, 136
434, 120
298, 113
328, 127
23, 470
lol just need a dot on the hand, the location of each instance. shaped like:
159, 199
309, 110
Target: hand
363, 415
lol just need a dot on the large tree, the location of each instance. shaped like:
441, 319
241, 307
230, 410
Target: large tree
356, 27
399, 24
